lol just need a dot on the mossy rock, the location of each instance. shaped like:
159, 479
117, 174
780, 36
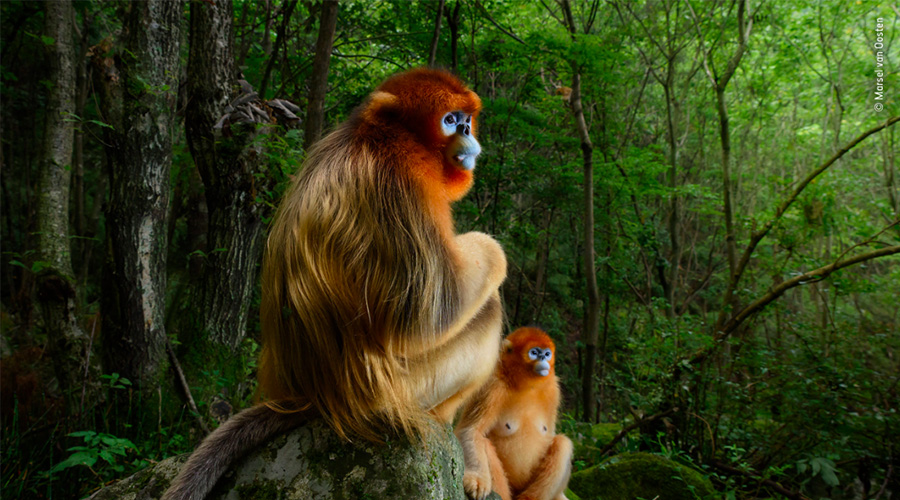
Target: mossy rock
633, 476
588, 439
605, 432
312, 463
571, 495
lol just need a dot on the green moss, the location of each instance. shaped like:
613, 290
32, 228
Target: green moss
632, 476
604, 433
571, 495
589, 439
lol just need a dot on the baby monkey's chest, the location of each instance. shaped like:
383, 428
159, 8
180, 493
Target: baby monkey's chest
521, 420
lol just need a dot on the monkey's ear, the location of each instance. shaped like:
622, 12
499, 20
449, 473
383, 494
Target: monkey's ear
379, 102
506, 346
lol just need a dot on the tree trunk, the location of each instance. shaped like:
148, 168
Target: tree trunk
720, 84
592, 312
436, 37
280, 38
889, 164
318, 85
139, 104
540, 274
669, 284
233, 168
453, 23
53, 211
66, 342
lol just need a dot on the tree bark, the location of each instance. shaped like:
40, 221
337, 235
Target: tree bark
318, 85
669, 283
720, 84
53, 211
280, 38
56, 288
436, 37
453, 23
140, 94
234, 170
540, 274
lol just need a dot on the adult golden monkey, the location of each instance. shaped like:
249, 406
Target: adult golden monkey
375, 315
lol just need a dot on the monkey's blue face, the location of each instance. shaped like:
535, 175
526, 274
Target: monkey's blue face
542, 359
463, 147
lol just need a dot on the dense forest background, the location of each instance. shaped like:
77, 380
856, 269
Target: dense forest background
698, 198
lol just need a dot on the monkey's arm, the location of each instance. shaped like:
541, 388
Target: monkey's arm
232, 440
445, 377
480, 268
480, 416
454, 363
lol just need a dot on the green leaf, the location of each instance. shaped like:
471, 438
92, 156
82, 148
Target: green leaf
39, 266
102, 124
825, 469
81, 458
107, 456
48, 40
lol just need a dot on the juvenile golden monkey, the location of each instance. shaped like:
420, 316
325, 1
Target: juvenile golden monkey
508, 430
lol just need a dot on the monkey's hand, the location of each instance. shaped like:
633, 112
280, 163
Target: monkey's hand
477, 486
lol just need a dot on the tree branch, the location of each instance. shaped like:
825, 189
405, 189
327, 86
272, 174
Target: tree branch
757, 236
637, 423
491, 19
779, 290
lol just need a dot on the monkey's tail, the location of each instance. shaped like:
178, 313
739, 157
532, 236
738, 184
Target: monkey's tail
231, 441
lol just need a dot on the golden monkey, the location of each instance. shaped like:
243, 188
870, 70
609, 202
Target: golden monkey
508, 430
375, 315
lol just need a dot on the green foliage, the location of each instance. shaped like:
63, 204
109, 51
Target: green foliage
802, 393
104, 447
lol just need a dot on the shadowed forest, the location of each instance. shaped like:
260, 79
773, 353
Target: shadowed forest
699, 200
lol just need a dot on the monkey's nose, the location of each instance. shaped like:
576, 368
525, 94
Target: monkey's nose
463, 129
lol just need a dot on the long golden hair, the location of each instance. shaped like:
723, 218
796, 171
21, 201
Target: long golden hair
357, 275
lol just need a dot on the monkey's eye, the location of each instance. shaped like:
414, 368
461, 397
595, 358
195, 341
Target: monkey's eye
450, 119
534, 354
547, 354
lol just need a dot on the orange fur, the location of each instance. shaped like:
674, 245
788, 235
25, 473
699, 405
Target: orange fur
508, 430
363, 267
375, 314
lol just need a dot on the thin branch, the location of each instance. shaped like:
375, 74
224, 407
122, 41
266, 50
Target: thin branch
495, 23
637, 423
379, 37
366, 56
436, 37
182, 381
779, 290
280, 41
